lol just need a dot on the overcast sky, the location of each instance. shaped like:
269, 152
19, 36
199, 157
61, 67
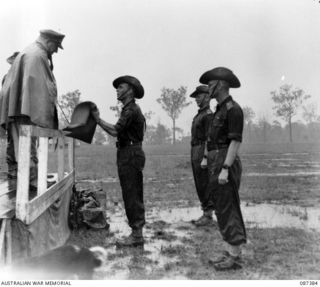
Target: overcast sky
171, 43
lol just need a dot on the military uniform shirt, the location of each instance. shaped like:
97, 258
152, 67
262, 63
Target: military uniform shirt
200, 126
227, 123
131, 124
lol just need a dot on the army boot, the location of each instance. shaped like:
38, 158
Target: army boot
228, 263
204, 220
228, 260
133, 240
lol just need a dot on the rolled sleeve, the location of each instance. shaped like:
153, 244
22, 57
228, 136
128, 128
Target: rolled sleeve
124, 120
235, 124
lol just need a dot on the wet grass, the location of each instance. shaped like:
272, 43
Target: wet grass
277, 253
168, 174
273, 254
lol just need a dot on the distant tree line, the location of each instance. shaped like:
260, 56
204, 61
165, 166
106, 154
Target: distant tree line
288, 102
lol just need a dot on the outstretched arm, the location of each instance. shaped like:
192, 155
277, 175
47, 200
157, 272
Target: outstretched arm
109, 128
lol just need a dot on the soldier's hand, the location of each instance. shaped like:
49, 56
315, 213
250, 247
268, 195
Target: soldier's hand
223, 176
204, 163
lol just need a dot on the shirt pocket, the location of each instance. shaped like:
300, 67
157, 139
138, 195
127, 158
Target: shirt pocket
218, 121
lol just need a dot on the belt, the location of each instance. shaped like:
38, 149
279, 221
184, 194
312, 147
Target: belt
211, 146
127, 144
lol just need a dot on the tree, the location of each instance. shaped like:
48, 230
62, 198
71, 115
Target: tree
116, 109
264, 126
287, 102
173, 102
248, 115
179, 131
312, 119
100, 137
310, 113
66, 104
161, 134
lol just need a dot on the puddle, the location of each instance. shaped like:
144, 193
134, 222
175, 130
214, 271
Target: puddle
103, 180
278, 174
272, 215
260, 215
176, 223
130, 258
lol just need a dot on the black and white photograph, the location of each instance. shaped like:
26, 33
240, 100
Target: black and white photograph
160, 140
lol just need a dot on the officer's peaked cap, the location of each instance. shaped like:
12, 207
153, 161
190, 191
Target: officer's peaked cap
53, 36
202, 89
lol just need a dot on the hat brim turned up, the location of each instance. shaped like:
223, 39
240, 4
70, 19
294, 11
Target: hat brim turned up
134, 82
220, 73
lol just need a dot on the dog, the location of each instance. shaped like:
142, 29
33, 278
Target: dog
68, 262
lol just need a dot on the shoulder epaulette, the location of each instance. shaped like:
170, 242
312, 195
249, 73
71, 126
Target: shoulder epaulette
229, 105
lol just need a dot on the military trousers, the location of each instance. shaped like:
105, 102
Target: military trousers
130, 162
226, 198
201, 179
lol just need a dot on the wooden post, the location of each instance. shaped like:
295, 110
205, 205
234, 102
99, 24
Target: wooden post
3, 242
8, 242
60, 158
70, 154
42, 165
23, 171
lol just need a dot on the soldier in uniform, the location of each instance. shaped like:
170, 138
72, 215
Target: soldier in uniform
129, 131
224, 166
199, 129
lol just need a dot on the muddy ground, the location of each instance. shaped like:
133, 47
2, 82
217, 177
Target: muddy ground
280, 195
280, 203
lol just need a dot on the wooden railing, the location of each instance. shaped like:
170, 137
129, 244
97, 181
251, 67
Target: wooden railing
27, 211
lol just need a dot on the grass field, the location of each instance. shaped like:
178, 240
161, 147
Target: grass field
278, 174
283, 175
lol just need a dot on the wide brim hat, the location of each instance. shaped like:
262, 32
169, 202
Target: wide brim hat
203, 89
220, 73
134, 82
53, 36
83, 124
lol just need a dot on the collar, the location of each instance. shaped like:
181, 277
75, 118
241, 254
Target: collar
128, 104
224, 102
42, 46
203, 108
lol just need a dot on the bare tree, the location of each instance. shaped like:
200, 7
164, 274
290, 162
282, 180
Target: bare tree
173, 102
287, 102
